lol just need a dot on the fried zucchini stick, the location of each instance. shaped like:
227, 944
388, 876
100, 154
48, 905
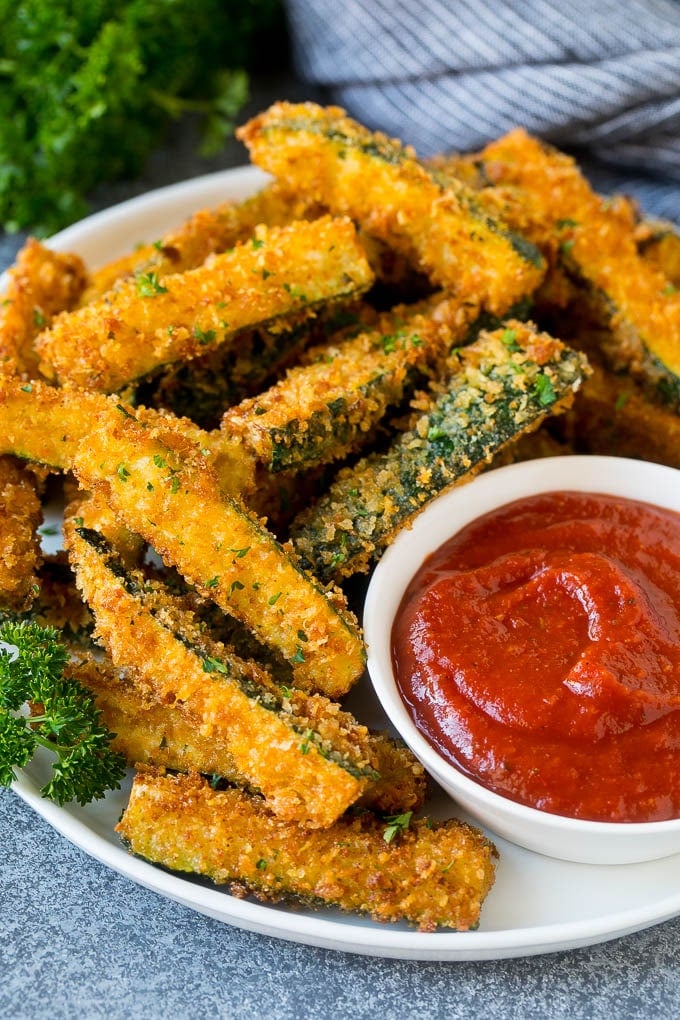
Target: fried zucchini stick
329, 406
548, 200
659, 244
613, 416
502, 386
41, 283
161, 486
151, 732
309, 759
20, 515
433, 874
44, 424
282, 275
436, 222
206, 232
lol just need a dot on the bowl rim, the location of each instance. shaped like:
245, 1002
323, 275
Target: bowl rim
601, 475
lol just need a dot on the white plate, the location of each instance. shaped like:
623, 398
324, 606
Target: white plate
538, 904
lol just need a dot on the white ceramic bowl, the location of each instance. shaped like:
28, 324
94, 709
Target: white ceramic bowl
557, 836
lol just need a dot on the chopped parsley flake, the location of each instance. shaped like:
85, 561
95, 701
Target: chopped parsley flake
305, 745
212, 665
148, 285
509, 338
204, 336
396, 825
545, 391
240, 553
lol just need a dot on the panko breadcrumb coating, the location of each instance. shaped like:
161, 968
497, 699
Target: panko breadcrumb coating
432, 874
41, 283
435, 222
309, 760
20, 556
159, 484
282, 273
206, 232
543, 194
501, 387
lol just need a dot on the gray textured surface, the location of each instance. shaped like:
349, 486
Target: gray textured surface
79, 941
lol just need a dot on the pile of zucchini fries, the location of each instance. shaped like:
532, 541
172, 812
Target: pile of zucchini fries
263, 398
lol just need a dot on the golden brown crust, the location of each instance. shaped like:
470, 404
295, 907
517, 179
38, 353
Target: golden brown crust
310, 760
163, 488
545, 197
146, 323
431, 874
206, 232
381, 185
40, 284
20, 516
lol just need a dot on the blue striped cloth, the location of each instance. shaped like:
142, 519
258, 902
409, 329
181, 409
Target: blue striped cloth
598, 77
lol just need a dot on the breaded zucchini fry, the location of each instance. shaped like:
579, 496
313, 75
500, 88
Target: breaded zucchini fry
41, 283
163, 487
612, 416
435, 222
151, 732
309, 759
432, 875
282, 275
659, 244
206, 232
20, 516
551, 203
502, 386
329, 406
44, 424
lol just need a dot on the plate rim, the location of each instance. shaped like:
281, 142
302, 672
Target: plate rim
298, 926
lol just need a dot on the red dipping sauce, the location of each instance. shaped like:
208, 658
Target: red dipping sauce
538, 650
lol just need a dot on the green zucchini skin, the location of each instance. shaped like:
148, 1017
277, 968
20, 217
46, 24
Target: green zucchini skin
331, 405
625, 344
502, 386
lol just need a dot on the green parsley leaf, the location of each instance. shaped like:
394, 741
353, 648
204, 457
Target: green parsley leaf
204, 336
544, 390
397, 824
148, 285
32, 665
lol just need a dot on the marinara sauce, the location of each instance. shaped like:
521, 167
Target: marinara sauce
539, 651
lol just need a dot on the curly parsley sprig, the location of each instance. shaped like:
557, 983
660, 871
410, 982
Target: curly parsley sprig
64, 718
88, 90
